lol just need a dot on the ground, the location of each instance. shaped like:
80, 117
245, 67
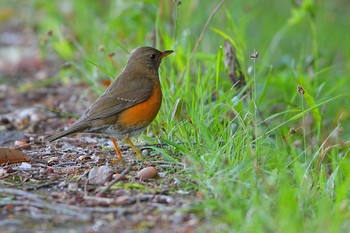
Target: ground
55, 190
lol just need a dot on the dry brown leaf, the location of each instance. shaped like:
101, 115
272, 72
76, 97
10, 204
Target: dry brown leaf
231, 62
8, 155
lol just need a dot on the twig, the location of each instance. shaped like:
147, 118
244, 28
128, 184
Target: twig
159, 198
202, 34
168, 163
205, 28
86, 181
118, 210
21, 193
7, 175
126, 170
82, 216
86, 172
37, 202
7, 222
42, 186
25, 146
111, 201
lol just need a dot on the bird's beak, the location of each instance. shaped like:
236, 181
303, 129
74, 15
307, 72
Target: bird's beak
166, 53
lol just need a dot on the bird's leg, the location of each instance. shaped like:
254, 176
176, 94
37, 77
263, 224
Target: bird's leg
138, 153
117, 151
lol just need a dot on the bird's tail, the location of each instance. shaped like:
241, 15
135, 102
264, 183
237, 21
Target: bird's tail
73, 129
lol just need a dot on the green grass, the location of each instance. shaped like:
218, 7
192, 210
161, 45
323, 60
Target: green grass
253, 174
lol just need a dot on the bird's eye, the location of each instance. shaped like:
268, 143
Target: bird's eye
152, 56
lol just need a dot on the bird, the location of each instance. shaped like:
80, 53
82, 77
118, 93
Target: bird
128, 105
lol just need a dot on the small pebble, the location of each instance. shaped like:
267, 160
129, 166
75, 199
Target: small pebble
100, 175
145, 152
72, 187
24, 166
147, 173
162, 174
62, 184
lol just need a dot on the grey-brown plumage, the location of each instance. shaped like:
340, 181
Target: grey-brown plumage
130, 103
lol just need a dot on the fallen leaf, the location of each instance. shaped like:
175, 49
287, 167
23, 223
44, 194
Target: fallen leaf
231, 62
8, 155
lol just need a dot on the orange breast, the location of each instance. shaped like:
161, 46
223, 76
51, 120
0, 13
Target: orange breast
143, 113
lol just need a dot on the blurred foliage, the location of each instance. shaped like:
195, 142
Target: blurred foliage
300, 42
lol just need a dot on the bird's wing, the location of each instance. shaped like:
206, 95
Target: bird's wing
115, 100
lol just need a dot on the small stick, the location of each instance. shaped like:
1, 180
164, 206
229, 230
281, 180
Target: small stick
116, 180
194, 50
37, 202
205, 28
42, 186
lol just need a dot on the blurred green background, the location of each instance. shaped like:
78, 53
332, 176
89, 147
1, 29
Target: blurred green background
300, 42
